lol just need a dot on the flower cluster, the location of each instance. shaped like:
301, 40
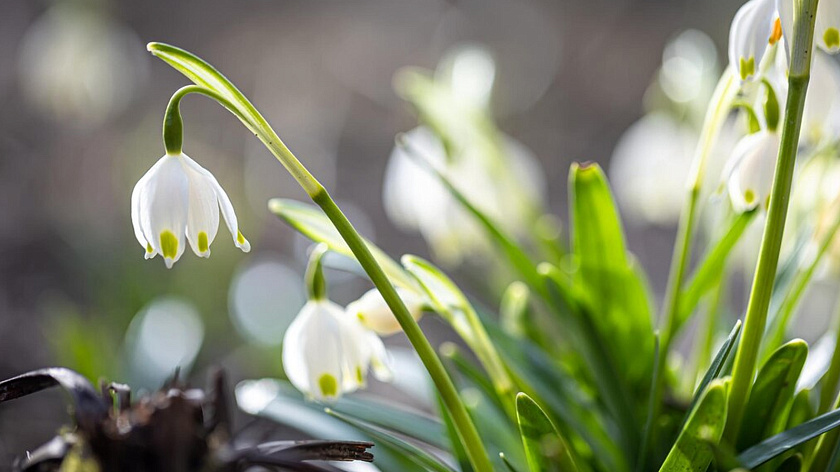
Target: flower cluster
758, 31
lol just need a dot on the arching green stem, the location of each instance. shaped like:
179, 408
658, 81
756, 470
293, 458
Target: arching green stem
173, 138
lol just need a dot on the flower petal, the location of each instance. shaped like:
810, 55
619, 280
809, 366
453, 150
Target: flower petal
827, 28
203, 217
312, 352
225, 205
750, 33
374, 314
751, 180
164, 207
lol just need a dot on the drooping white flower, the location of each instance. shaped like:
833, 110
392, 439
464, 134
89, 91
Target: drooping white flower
754, 27
177, 199
327, 353
749, 171
372, 311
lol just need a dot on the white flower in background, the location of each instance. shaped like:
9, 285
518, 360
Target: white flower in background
754, 27
749, 171
821, 117
78, 66
372, 311
415, 200
649, 166
178, 199
827, 28
327, 353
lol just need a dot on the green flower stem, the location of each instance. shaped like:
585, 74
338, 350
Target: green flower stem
768, 257
831, 379
463, 423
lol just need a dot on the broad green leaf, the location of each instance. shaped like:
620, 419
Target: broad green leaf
772, 393
716, 367
801, 411
708, 271
784, 441
514, 309
312, 223
691, 451
545, 448
651, 407
416, 454
615, 289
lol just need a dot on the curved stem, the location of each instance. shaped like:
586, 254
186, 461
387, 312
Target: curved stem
463, 423
768, 257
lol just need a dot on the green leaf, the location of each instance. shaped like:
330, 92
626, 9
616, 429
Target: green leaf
417, 455
545, 448
716, 367
615, 289
709, 270
784, 441
310, 221
691, 451
772, 393
513, 310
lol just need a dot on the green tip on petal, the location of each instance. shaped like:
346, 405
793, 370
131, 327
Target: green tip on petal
203, 243
749, 197
747, 67
360, 377
168, 244
149, 248
239, 238
831, 38
328, 385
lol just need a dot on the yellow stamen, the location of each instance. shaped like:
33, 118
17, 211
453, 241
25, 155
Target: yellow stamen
776, 35
168, 244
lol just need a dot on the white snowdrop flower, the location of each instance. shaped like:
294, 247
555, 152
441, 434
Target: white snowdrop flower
821, 117
827, 28
372, 311
749, 171
177, 199
754, 27
327, 353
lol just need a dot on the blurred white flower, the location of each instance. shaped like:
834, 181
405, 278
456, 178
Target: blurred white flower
372, 311
754, 26
689, 69
821, 118
649, 166
178, 199
164, 336
78, 66
327, 353
415, 200
750, 169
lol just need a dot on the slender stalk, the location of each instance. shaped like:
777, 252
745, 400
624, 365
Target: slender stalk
446, 388
715, 116
768, 257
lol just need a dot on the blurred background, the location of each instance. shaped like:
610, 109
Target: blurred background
82, 103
